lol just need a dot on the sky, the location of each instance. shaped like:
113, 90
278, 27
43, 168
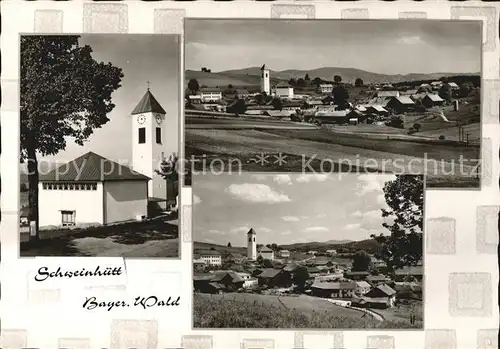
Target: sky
154, 58
287, 208
385, 47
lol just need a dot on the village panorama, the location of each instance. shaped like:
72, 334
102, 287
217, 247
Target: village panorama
308, 251
387, 96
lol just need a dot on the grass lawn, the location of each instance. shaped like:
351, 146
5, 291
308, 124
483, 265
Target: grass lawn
403, 313
153, 238
215, 162
263, 311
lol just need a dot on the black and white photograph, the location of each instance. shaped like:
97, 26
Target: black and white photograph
99, 139
308, 251
387, 96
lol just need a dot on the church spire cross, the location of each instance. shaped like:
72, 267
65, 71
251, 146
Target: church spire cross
148, 82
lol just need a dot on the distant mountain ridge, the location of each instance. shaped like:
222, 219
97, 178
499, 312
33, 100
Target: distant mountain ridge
251, 76
347, 74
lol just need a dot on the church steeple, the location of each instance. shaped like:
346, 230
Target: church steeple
148, 104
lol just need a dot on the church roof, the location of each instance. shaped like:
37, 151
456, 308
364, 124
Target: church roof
147, 104
91, 167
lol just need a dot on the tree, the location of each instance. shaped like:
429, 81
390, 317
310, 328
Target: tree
260, 259
337, 79
317, 81
445, 92
169, 169
266, 263
361, 261
229, 244
292, 82
307, 78
358, 82
405, 198
417, 127
239, 107
64, 93
341, 97
193, 86
300, 277
301, 82
277, 104
274, 246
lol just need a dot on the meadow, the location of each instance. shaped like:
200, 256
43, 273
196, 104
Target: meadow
262, 311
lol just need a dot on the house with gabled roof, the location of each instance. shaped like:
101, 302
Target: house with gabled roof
92, 190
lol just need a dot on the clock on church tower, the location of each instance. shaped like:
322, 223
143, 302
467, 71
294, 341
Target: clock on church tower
148, 144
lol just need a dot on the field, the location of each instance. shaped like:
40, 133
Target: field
263, 311
154, 238
328, 148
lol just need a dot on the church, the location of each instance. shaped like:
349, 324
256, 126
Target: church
94, 190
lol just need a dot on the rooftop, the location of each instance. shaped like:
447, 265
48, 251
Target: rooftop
91, 167
148, 104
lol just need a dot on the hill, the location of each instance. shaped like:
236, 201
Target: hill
368, 245
251, 76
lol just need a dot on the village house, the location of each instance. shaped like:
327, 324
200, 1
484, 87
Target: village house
409, 272
203, 283
436, 85
376, 280
282, 90
312, 253
362, 287
248, 280
356, 275
243, 93
331, 252
210, 94
284, 253
430, 100
234, 257
325, 88
92, 189
355, 116
453, 86
313, 271
312, 103
291, 105
266, 253
290, 268
402, 104
274, 278
198, 264
382, 293
387, 94
331, 117
333, 289
210, 257
378, 263
229, 279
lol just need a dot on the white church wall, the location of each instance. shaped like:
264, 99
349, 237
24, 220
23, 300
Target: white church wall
125, 200
87, 204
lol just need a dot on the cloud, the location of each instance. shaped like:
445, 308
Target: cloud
321, 215
410, 40
306, 178
260, 177
290, 219
263, 230
286, 232
243, 229
381, 199
196, 200
372, 183
316, 229
256, 193
352, 226
283, 179
368, 215
215, 231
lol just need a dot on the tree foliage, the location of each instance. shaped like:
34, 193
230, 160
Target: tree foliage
193, 86
337, 79
65, 93
300, 277
405, 198
358, 82
361, 261
341, 97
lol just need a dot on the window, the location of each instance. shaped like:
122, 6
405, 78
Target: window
142, 135
158, 135
68, 218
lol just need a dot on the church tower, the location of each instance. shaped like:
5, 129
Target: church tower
251, 245
265, 80
148, 139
